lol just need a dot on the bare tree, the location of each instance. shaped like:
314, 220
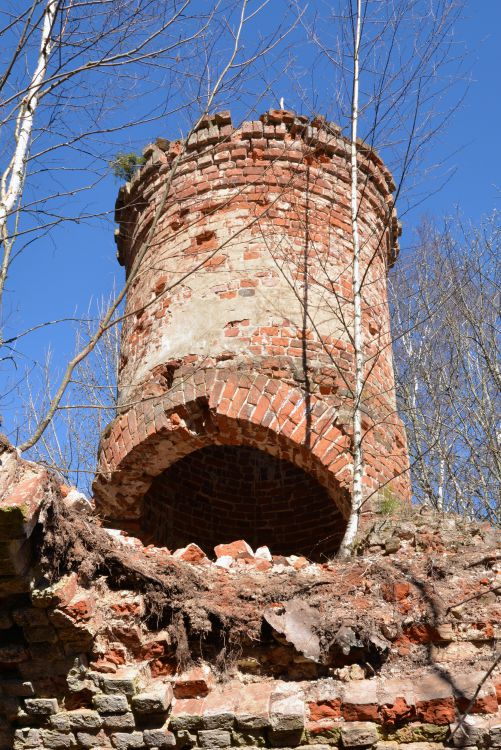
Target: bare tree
87, 60
446, 314
58, 63
69, 444
358, 468
390, 64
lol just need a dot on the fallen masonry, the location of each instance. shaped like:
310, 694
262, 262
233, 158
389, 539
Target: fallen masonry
108, 643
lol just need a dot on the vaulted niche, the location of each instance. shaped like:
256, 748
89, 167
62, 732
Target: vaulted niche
222, 493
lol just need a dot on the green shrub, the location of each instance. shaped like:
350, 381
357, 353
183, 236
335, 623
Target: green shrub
124, 165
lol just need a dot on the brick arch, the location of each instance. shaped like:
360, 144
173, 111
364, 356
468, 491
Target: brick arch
221, 493
220, 407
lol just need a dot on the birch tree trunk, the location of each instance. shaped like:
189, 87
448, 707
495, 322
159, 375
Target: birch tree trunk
357, 497
13, 177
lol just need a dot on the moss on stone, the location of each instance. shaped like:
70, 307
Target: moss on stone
323, 736
419, 733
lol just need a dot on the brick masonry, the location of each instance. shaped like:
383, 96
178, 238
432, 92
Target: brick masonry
238, 320
80, 667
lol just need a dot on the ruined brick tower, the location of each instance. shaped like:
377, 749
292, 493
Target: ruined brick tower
236, 367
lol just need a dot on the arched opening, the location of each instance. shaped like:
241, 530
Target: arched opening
219, 494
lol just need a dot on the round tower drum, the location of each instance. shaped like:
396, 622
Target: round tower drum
236, 368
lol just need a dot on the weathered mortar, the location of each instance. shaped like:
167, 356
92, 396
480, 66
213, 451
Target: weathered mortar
238, 323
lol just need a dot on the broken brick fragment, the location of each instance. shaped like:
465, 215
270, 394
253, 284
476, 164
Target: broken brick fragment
237, 550
326, 709
195, 683
438, 711
192, 554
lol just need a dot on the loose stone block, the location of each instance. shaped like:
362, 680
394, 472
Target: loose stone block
127, 681
89, 739
60, 721
26, 738
212, 738
159, 738
84, 718
56, 740
123, 741
359, 734
153, 702
119, 721
218, 719
41, 706
110, 704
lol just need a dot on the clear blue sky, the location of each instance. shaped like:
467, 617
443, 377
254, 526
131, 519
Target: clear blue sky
60, 274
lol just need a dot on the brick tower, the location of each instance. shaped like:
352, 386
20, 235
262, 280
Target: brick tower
236, 367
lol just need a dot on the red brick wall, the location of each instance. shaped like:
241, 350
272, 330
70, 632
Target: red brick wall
238, 327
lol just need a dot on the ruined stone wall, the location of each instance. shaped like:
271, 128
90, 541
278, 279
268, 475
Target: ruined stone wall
106, 643
238, 322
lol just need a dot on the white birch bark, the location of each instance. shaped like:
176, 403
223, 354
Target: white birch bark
357, 496
13, 178
441, 480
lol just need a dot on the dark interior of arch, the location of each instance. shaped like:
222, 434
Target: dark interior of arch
220, 494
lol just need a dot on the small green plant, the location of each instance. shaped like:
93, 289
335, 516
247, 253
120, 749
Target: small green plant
124, 165
389, 504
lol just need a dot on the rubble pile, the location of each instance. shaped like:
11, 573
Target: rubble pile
106, 641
